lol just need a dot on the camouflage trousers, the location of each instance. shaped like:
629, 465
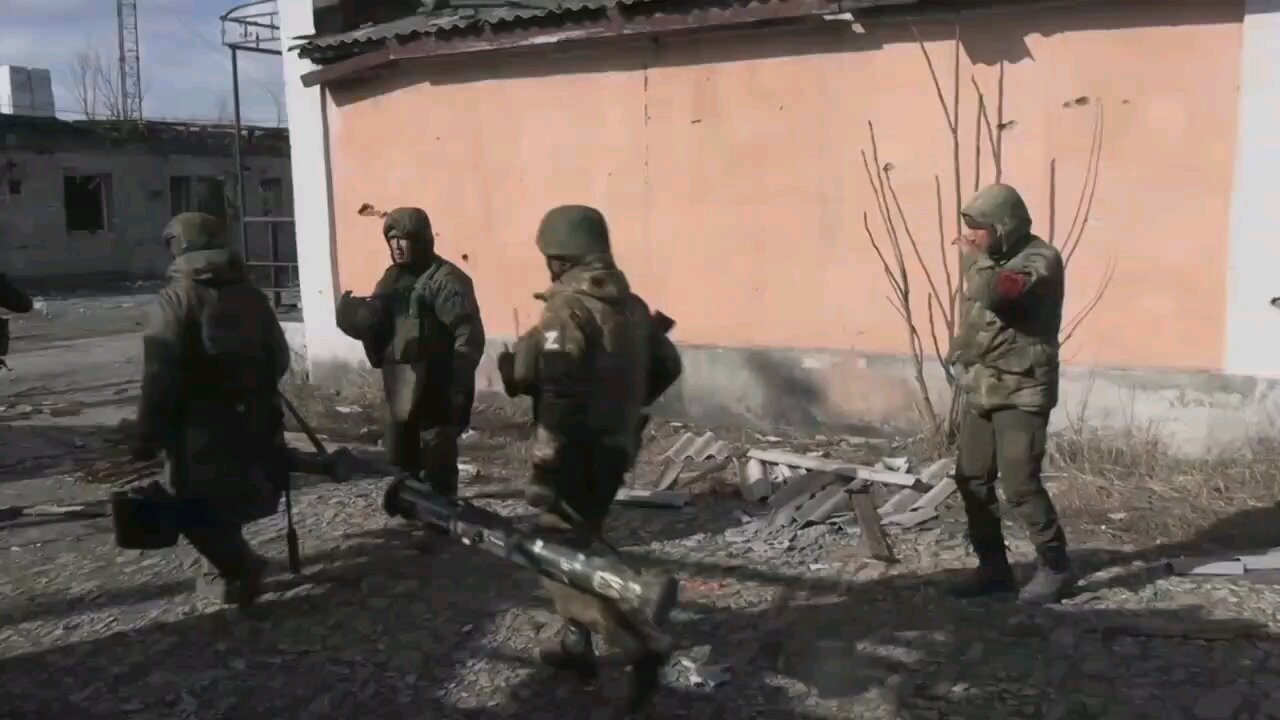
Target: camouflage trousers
1008, 445
585, 483
433, 452
219, 542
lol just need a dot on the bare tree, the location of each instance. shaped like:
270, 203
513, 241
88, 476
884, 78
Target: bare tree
95, 86
107, 80
82, 78
896, 244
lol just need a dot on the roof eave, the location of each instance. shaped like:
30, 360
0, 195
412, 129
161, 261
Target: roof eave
617, 25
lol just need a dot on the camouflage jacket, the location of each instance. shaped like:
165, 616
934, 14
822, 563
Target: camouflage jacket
1005, 352
434, 323
587, 362
213, 356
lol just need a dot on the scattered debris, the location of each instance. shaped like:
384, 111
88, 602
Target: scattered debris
701, 673
13, 512
700, 455
817, 464
1225, 566
901, 502
68, 410
874, 543
753, 480
346, 409
926, 508
898, 464
652, 498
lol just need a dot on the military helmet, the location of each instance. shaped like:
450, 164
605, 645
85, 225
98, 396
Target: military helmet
359, 317
573, 231
191, 232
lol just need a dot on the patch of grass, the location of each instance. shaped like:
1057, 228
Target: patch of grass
1129, 485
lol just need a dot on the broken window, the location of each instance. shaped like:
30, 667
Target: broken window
87, 200
189, 193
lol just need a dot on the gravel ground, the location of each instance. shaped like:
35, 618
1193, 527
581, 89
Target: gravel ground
389, 622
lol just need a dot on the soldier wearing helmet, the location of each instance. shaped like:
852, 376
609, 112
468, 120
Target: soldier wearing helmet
421, 328
593, 363
213, 356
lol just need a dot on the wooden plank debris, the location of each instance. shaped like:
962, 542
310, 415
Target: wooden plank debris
816, 464
874, 542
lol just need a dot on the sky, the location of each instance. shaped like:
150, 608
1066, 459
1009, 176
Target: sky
186, 73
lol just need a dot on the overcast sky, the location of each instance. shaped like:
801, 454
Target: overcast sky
186, 73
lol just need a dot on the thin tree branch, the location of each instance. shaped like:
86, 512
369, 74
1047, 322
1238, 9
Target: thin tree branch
1094, 152
915, 247
1095, 167
1089, 307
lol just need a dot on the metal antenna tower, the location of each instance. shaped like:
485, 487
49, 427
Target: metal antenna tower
130, 60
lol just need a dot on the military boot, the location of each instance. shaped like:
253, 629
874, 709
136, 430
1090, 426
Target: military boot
241, 591
646, 674
993, 576
1052, 581
573, 652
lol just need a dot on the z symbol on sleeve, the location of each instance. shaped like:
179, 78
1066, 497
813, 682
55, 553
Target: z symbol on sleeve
551, 340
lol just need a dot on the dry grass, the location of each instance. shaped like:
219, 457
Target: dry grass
1129, 486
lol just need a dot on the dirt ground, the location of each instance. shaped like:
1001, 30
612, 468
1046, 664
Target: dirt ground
389, 622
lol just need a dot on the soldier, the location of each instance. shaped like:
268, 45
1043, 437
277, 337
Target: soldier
593, 363
422, 329
213, 357
1006, 358
13, 300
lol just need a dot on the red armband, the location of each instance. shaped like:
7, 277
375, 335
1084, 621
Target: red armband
1010, 285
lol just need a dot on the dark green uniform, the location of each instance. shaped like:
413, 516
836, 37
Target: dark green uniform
1006, 359
588, 364
421, 328
213, 357
13, 300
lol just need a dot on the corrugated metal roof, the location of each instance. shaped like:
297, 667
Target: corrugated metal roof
456, 19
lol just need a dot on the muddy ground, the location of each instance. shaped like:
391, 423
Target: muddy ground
387, 622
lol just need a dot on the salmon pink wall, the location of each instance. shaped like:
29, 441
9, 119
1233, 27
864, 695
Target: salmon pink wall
730, 169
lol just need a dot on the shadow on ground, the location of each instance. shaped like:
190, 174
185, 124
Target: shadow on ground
380, 629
